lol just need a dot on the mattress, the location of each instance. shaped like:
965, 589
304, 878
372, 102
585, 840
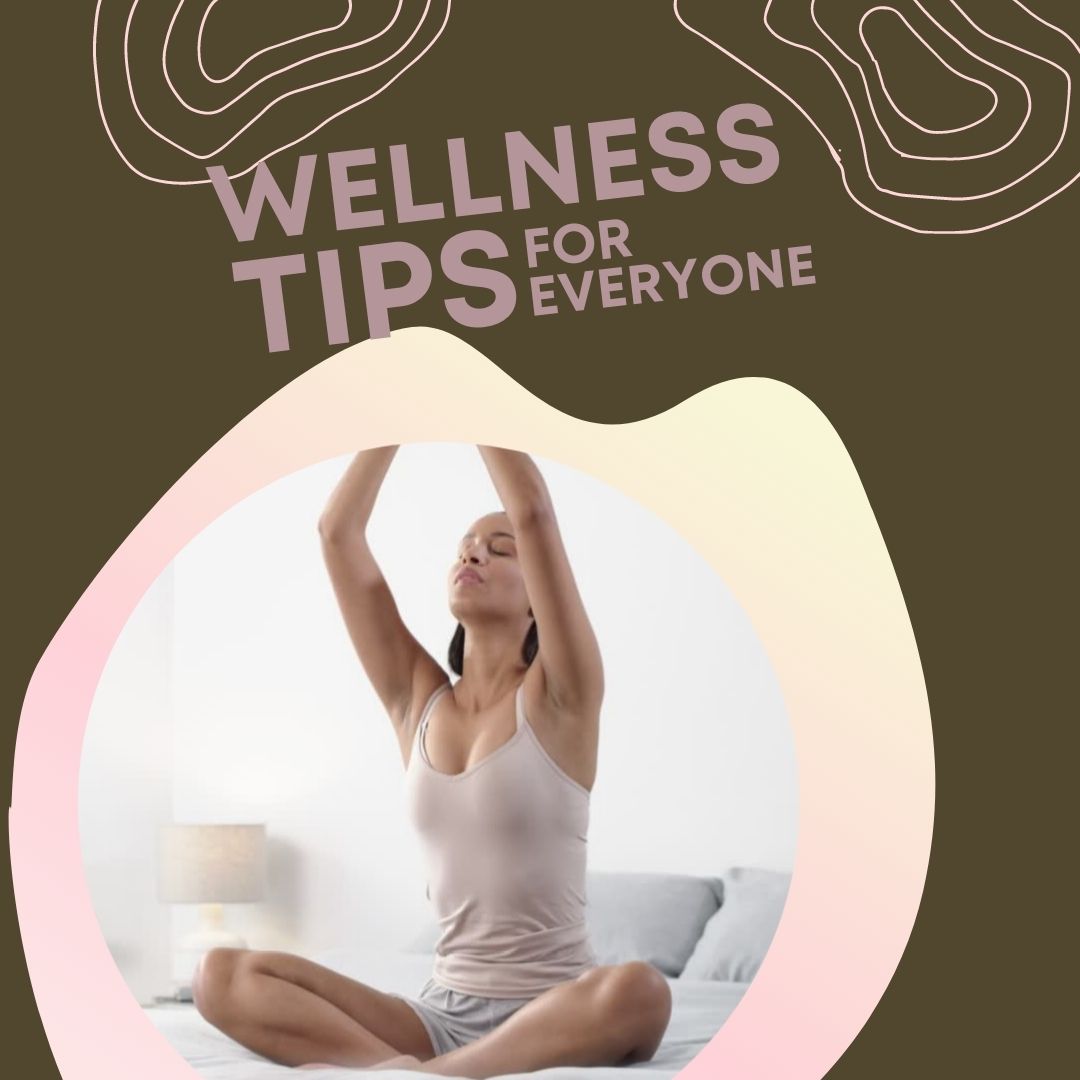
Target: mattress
699, 1008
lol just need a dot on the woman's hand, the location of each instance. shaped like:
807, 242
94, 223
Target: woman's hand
347, 511
521, 488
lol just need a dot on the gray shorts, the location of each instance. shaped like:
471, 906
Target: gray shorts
453, 1019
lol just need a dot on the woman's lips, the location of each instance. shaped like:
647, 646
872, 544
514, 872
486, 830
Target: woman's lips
467, 576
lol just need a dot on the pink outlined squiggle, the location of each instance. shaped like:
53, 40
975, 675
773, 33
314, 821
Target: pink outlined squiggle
280, 45
262, 112
292, 92
938, 157
262, 52
944, 63
867, 168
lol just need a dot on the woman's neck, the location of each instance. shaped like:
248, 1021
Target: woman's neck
492, 665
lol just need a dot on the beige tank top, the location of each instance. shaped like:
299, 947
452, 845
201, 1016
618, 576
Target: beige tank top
505, 842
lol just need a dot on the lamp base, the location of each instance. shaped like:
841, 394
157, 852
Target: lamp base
203, 940
211, 932
192, 947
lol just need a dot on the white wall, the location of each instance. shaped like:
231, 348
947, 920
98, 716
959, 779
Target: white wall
275, 721
125, 792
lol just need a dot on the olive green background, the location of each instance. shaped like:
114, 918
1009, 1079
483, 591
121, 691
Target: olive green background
945, 364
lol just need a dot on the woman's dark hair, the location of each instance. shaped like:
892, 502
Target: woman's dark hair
456, 653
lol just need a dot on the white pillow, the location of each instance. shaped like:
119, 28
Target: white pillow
735, 940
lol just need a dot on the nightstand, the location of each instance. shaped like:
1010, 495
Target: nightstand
163, 1002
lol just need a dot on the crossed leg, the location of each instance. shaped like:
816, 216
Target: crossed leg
296, 1012
611, 1015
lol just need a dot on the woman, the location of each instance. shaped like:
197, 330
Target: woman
499, 767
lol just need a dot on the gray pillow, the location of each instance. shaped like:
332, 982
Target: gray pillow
635, 916
648, 916
735, 940
426, 940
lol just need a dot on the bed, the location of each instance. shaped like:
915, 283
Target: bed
706, 935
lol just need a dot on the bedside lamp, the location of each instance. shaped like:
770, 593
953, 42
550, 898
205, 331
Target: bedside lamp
210, 865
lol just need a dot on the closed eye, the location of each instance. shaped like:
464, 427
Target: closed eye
492, 550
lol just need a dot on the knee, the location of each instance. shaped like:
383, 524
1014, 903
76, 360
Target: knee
637, 1000
213, 986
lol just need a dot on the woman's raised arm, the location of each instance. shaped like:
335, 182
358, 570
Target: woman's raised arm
569, 653
395, 662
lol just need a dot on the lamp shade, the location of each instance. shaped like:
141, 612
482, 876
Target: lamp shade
211, 864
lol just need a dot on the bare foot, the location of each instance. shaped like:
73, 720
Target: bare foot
402, 1061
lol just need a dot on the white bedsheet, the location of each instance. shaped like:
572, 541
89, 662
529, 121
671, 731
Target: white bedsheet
698, 1010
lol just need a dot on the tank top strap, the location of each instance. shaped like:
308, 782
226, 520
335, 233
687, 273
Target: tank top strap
418, 738
522, 721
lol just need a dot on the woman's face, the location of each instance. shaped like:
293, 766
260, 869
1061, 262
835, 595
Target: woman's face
485, 577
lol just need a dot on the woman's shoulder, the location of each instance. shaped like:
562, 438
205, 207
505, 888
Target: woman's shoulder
567, 733
426, 688
425, 692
